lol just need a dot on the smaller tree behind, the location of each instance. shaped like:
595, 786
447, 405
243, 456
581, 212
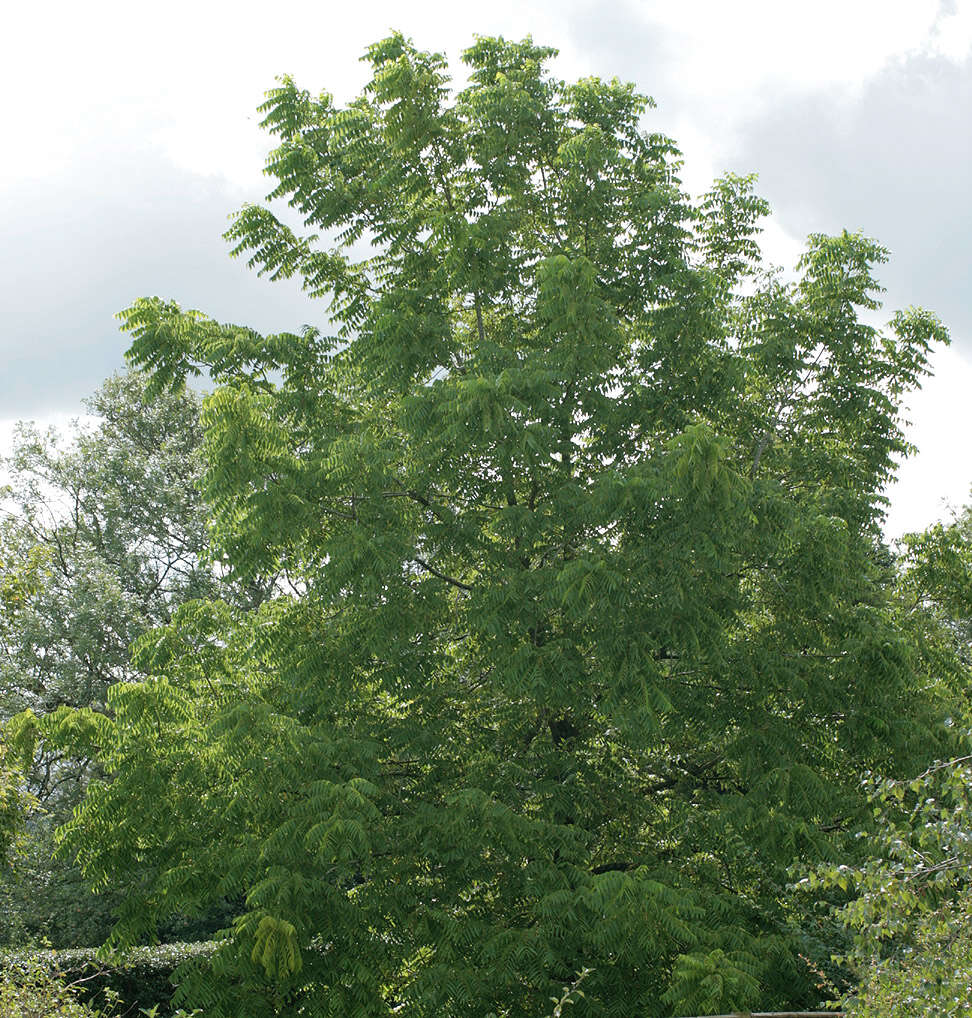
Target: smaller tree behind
101, 538
910, 908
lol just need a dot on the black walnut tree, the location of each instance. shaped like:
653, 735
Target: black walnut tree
587, 639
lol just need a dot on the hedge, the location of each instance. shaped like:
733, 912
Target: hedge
140, 976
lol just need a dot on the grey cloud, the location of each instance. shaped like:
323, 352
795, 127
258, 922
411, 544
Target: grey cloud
82, 244
895, 163
620, 41
894, 160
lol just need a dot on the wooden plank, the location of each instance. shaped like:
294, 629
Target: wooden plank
773, 1014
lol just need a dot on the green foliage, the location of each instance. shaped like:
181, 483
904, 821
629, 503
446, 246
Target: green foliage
79, 983
569, 995
588, 633
138, 980
15, 803
937, 586
910, 902
933, 976
30, 990
101, 538
99, 541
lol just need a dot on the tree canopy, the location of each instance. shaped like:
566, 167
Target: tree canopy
588, 632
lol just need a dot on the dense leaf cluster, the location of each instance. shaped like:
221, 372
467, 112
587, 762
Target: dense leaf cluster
588, 634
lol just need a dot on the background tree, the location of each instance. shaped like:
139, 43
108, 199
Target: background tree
101, 538
936, 586
910, 902
911, 907
589, 635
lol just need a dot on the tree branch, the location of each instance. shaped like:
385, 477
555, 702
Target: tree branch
442, 576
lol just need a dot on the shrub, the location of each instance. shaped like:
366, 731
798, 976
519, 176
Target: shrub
30, 988
142, 977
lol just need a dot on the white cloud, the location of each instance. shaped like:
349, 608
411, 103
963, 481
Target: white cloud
940, 475
952, 34
188, 76
754, 46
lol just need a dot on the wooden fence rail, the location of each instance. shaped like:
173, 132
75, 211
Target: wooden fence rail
773, 1014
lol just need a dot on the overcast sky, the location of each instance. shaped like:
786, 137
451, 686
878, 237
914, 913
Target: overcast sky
131, 133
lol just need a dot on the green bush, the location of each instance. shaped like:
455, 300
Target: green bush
909, 904
141, 978
931, 976
29, 988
